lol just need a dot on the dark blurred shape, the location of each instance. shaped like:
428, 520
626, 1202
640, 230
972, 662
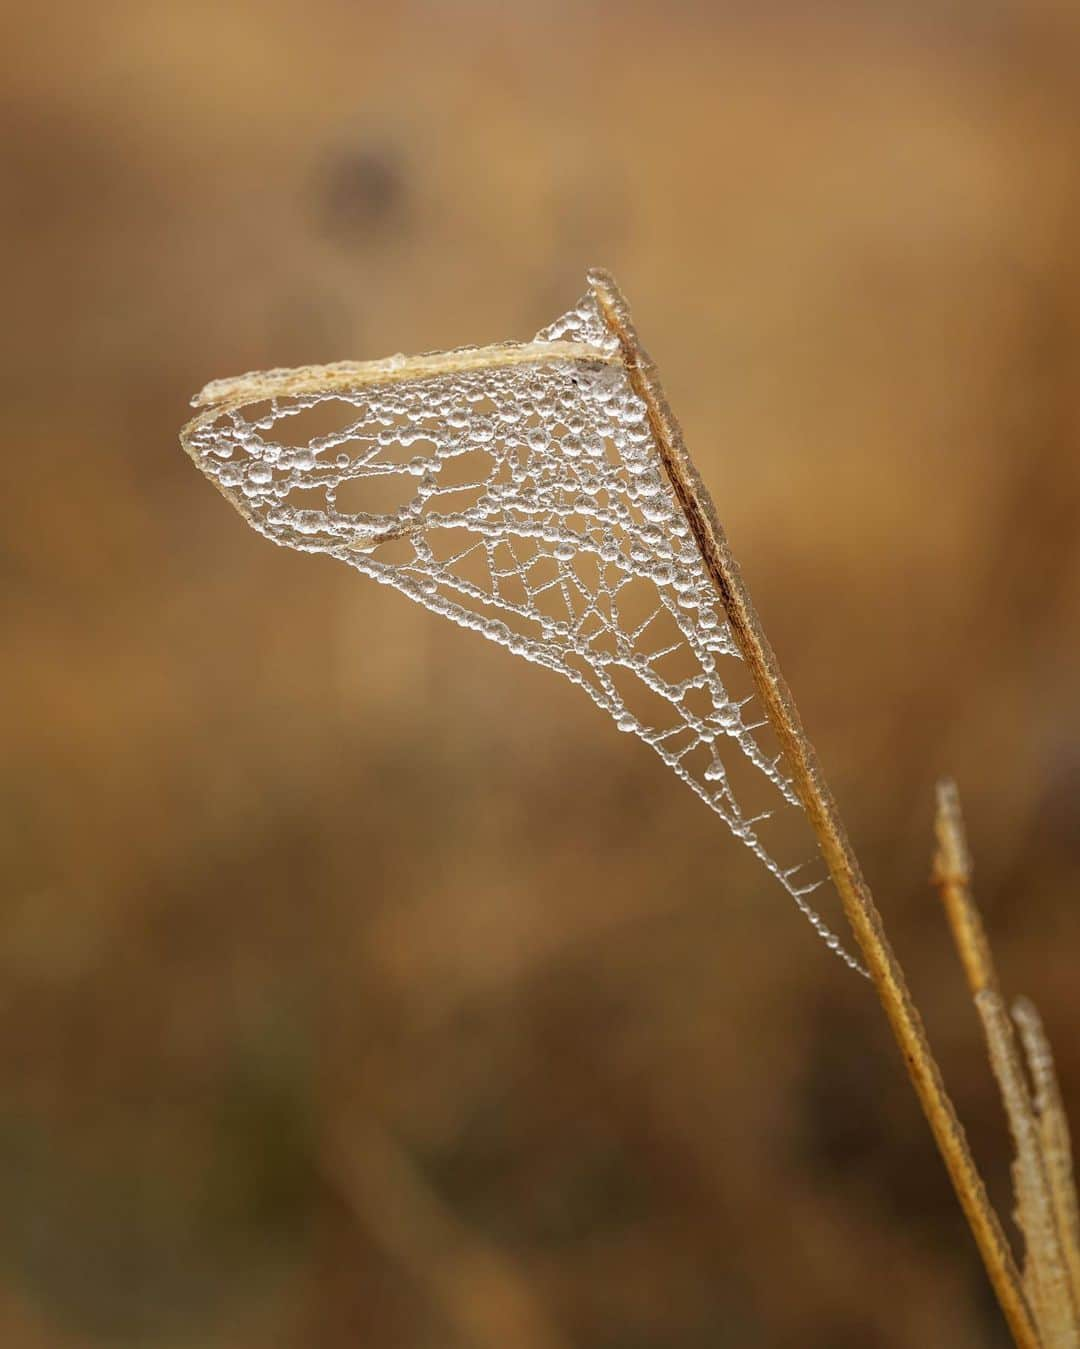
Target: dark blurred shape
362, 195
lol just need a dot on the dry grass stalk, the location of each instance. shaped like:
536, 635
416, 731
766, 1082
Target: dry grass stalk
1054, 1134
391, 370
814, 793
1044, 1189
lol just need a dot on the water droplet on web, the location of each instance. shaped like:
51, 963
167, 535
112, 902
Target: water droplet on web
307, 522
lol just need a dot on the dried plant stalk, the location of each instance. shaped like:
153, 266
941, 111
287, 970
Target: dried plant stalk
393, 369
1046, 1207
1054, 1135
952, 876
817, 800
1045, 1275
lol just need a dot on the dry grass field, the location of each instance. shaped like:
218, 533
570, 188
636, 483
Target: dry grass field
360, 986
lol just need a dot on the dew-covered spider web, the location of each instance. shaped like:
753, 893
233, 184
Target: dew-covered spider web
518, 491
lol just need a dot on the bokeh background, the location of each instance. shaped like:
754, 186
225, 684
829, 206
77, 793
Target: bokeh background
359, 985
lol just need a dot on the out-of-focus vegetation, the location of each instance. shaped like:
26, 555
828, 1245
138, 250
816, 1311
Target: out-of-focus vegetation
276, 1071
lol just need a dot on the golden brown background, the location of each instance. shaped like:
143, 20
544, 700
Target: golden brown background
360, 986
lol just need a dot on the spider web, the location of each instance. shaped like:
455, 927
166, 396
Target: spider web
518, 491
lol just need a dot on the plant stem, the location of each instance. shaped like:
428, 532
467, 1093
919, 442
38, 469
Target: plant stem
1054, 1134
952, 876
817, 800
1042, 1172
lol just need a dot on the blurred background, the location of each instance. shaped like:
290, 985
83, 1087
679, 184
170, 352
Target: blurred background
359, 984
